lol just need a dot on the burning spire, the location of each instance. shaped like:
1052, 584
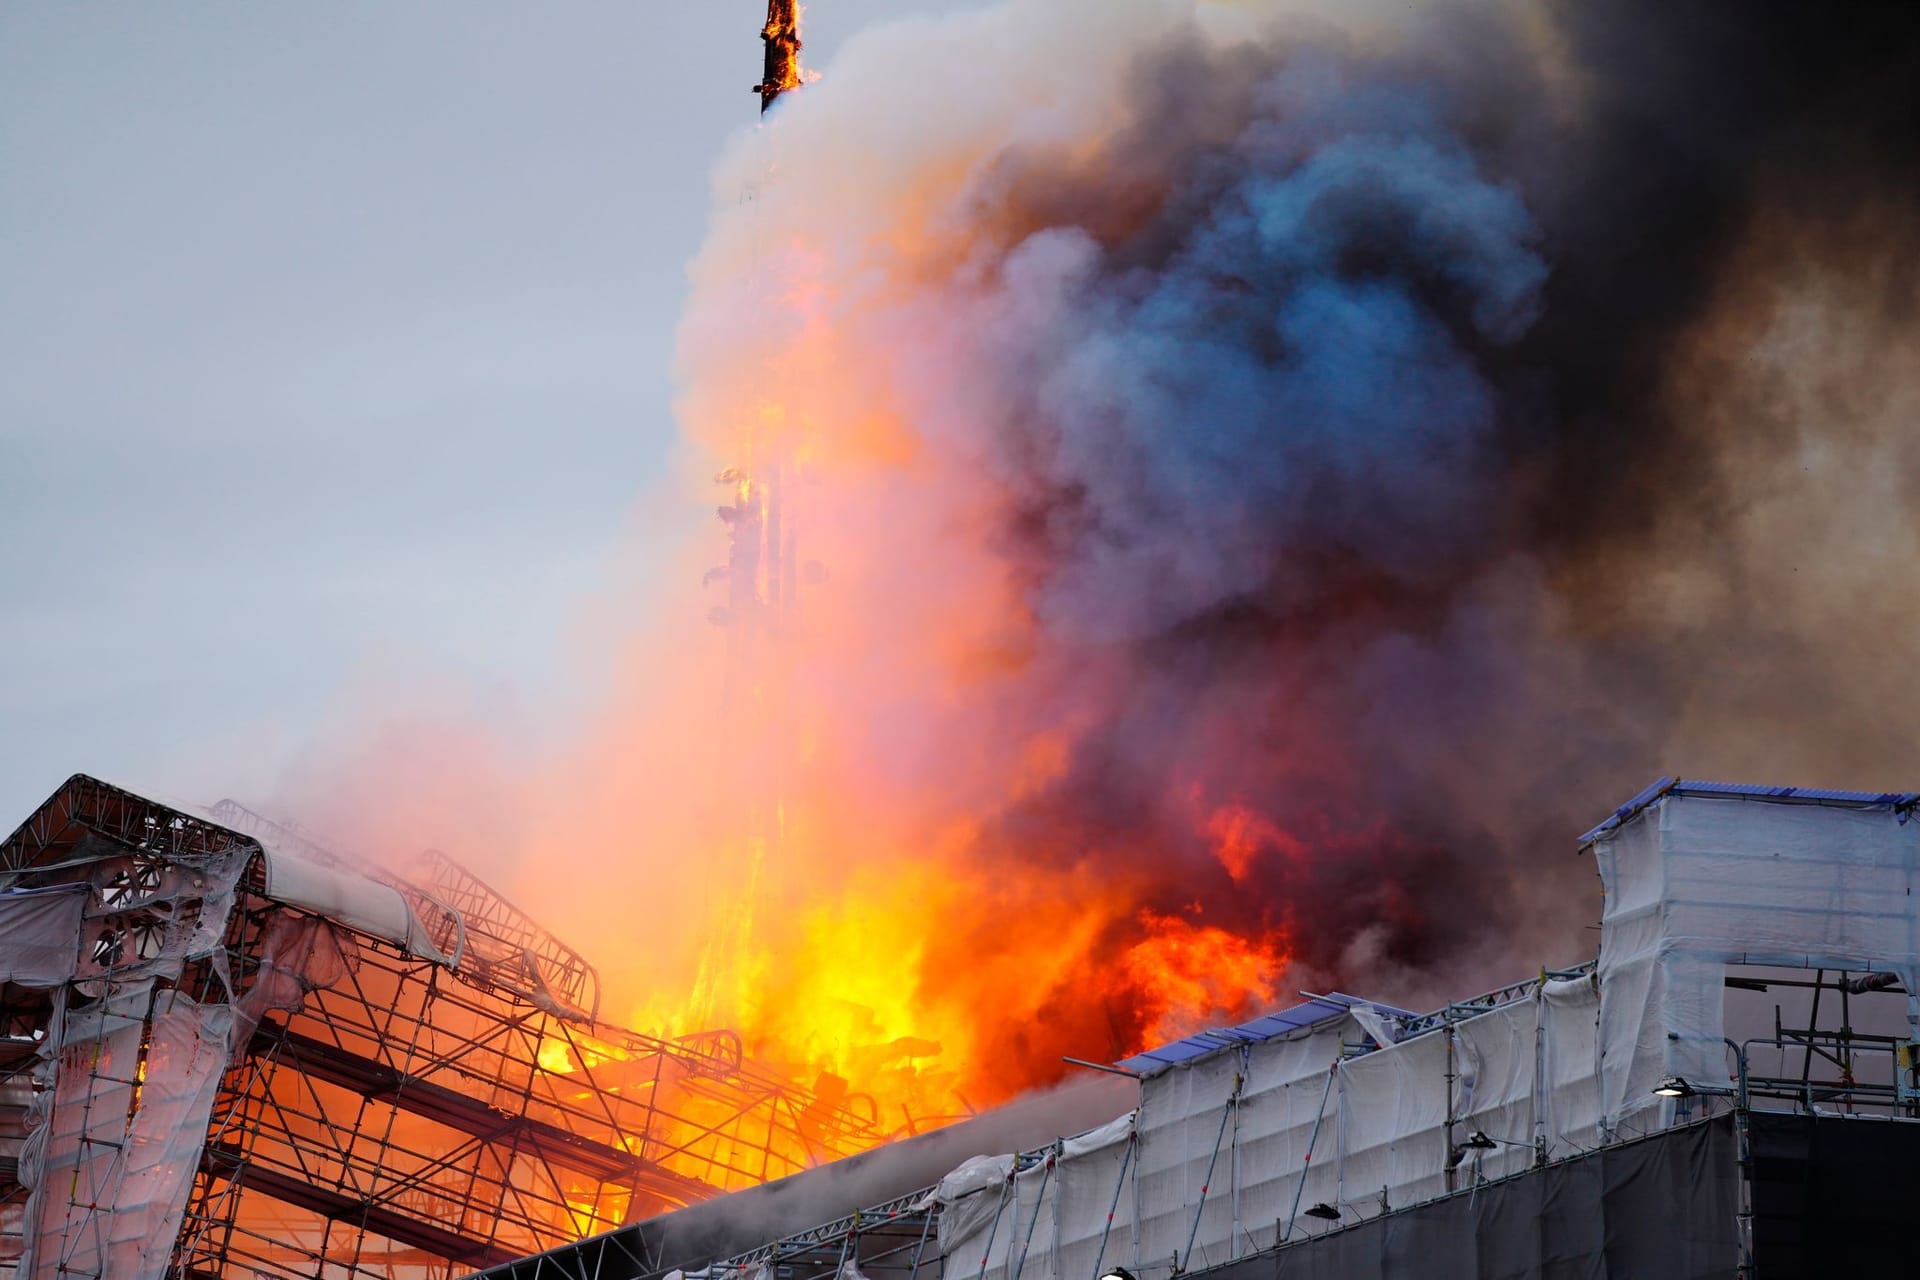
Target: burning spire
782, 36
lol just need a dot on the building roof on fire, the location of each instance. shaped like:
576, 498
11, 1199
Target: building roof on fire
1268, 1026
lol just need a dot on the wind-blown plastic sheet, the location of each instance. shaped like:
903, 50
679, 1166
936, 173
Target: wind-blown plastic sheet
123, 1138
126, 1075
1698, 882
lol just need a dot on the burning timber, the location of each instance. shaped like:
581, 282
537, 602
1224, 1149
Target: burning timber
227, 1051
782, 37
1732, 1086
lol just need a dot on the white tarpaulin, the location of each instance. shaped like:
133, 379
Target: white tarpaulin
1228, 1150
1697, 882
1230, 1147
123, 1131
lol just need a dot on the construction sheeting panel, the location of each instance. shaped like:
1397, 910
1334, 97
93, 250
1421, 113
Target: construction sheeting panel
114, 1134
1660, 1209
1695, 883
1288, 1107
1087, 1187
121, 1131
1185, 1158
1226, 1152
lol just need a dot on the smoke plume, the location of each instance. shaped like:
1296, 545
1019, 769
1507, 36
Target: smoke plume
1267, 480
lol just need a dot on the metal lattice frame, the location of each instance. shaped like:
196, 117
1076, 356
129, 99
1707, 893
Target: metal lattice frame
415, 1118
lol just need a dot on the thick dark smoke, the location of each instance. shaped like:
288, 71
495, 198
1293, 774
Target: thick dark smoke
1697, 121
1335, 403
1264, 484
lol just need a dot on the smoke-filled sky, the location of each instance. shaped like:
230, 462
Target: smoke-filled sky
1268, 475
333, 357
1283, 468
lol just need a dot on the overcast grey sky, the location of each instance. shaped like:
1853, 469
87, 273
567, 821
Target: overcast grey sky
333, 338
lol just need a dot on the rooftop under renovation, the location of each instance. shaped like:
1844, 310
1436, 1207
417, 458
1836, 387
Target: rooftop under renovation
230, 1052
1220, 504
1731, 1087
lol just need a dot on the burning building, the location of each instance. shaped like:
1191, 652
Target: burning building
1244, 479
230, 1052
1732, 1086
1249, 474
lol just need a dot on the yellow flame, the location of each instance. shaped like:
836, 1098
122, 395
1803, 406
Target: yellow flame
555, 1056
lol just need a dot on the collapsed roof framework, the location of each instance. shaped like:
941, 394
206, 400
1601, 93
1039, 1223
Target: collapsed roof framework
237, 1054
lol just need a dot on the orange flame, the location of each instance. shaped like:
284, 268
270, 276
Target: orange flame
1187, 977
822, 862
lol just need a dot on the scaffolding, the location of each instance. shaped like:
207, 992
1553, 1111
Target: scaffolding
1014, 1231
1758, 967
344, 1072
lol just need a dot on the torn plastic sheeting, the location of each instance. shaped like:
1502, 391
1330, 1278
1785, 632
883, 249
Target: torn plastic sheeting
40, 935
145, 920
301, 954
971, 1196
115, 1135
1374, 1022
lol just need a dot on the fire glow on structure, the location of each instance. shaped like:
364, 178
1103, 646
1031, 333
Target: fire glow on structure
240, 1054
782, 36
823, 968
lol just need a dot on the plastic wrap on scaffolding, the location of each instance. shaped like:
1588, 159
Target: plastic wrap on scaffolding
301, 954
1697, 882
126, 1075
972, 1199
1087, 1185
1229, 1151
121, 1139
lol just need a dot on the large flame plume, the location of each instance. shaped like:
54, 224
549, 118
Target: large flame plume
1255, 480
